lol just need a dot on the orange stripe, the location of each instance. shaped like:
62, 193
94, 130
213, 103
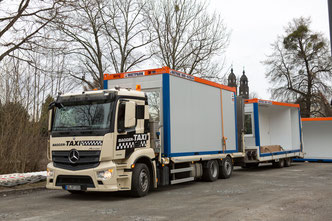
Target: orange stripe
255, 100
317, 119
167, 70
285, 104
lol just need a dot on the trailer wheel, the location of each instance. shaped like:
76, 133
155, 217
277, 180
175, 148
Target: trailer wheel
211, 171
140, 183
288, 162
226, 168
279, 164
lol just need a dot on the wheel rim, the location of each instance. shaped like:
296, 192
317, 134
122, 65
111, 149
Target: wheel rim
228, 167
213, 169
144, 180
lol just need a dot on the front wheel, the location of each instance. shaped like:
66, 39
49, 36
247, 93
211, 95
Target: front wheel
140, 184
226, 168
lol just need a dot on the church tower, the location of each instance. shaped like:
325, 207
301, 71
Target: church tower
244, 88
232, 80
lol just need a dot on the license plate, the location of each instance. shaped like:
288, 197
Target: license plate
73, 187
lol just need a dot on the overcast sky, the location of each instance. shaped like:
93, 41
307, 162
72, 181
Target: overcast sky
255, 24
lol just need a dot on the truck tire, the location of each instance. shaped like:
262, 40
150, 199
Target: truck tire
211, 171
279, 164
140, 183
288, 162
226, 168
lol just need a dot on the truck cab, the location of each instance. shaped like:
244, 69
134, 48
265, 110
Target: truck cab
97, 138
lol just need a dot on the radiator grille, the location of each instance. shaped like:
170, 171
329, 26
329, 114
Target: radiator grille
87, 160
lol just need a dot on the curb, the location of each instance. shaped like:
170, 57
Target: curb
4, 193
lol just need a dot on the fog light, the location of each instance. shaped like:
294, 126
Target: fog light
50, 173
104, 175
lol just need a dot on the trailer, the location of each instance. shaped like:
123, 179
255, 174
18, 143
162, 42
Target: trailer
317, 137
273, 133
147, 129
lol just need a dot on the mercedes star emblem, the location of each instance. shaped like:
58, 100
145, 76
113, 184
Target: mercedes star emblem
73, 156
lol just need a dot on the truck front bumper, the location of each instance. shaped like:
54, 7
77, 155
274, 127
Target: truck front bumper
88, 180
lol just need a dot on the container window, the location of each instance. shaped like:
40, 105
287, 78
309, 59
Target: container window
154, 104
247, 124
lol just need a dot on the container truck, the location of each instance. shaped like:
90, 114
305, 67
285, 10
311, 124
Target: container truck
148, 129
174, 128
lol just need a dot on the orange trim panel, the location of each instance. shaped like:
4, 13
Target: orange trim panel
169, 71
318, 119
260, 101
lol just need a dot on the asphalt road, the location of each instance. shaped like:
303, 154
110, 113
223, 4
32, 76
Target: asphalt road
300, 192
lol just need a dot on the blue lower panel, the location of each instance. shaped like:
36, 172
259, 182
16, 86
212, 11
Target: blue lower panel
200, 153
279, 153
314, 160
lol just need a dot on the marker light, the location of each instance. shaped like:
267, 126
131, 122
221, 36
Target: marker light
50, 173
138, 87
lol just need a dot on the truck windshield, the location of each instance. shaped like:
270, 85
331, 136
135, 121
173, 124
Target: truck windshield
92, 116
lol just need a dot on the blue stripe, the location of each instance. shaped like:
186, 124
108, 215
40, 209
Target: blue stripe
166, 115
279, 153
236, 136
313, 160
199, 153
300, 130
105, 84
256, 122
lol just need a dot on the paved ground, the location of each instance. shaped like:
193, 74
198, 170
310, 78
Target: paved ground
300, 192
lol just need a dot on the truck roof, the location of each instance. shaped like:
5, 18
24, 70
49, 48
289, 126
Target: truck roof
118, 91
166, 70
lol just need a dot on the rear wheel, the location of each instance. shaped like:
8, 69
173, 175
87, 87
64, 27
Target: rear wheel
279, 164
226, 168
288, 162
211, 171
140, 184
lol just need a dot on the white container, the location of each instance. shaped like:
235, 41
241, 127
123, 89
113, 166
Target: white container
270, 123
194, 114
317, 138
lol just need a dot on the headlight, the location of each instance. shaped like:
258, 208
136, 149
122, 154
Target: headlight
104, 175
50, 173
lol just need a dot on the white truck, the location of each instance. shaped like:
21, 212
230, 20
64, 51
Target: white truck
145, 129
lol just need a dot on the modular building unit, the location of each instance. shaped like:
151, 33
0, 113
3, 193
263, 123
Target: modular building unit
196, 117
317, 138
272, 130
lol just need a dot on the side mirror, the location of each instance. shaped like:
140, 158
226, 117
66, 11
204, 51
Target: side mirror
126, 116
130, 114
49, 120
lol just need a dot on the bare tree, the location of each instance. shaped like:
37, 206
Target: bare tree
83, 43
103, 35
300, 67
126, 34
21, 22
188, 37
